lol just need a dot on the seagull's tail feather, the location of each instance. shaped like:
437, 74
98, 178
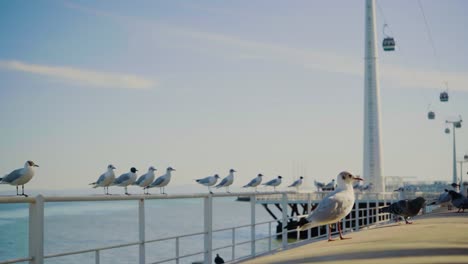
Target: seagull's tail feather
245, 186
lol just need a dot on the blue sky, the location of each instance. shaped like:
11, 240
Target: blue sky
272, 87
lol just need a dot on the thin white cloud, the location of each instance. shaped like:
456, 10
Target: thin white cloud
315, 60
81, 76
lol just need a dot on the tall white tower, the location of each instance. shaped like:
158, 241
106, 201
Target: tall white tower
372, 171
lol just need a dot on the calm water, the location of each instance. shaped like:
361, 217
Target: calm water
84, 225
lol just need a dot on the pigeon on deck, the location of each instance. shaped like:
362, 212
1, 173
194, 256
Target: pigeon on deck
405, 208
218, 259
334, 207
458, 200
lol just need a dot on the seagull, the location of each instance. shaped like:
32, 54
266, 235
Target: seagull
405, 208
218, 259
319, 185
105, 179
20, 176
274, 182
255, 182
226, 182
458, 200
209, 181
146, 179
331, 186
297, 183
335, 206
443, 199
162, 181
126, 179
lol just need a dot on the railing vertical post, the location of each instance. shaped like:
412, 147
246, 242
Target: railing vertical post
233, 243
269, 236
36, 230
367, 213
177, 250
284, 233
208, 228
141, 230
253, 199
356, 215
309, 208
96, 257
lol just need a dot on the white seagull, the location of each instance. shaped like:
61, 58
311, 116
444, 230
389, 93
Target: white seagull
319, 185
209, 181
146, 179
297, 183
331, 186
162, 181
226, 182
335, 206
274, 182
105, 179
254, 182
20, 176
126, 179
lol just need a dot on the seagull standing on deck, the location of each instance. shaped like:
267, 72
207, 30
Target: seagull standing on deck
297, 183
162, 181
255, 182
126, 179
334, 207
105, 179
20, 176
208, 181
319, 185
226, 182
274, 183
146, 179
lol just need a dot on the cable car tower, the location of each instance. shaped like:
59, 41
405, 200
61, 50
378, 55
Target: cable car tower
372, 171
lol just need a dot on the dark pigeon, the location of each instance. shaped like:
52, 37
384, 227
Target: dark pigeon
218, 259
458, 200
405, 208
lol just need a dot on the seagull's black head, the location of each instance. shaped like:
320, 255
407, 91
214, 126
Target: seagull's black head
170, 169
151, 168
232, 170
301, 177
216, 176
31, 163
133, 169
260, 175
280, 177
111, 167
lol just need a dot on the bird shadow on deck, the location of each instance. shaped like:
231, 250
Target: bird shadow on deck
380, 254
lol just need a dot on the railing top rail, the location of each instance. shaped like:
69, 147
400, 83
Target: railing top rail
93, 198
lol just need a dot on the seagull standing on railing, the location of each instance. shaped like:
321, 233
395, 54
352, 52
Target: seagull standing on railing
254, 182
146, 179
331, 186
126, 179
334, 207
20, 176
274, 183
162, 181
297, 183
208, 181
226, 182
106, 179
319, 185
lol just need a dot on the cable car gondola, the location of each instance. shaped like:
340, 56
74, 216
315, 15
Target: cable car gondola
431, 115
388, 43
444, 97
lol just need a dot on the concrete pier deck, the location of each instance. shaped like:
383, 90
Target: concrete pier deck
438, 237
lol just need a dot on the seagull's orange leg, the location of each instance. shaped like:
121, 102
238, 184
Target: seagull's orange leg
339, 230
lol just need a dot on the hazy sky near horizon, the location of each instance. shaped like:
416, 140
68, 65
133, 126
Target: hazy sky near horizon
272, 87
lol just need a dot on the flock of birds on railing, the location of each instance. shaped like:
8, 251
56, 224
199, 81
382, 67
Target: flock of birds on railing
21, 176
330, 210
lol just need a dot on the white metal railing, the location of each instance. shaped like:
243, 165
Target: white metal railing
366, 215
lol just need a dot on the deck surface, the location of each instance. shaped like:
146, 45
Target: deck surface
439, 237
